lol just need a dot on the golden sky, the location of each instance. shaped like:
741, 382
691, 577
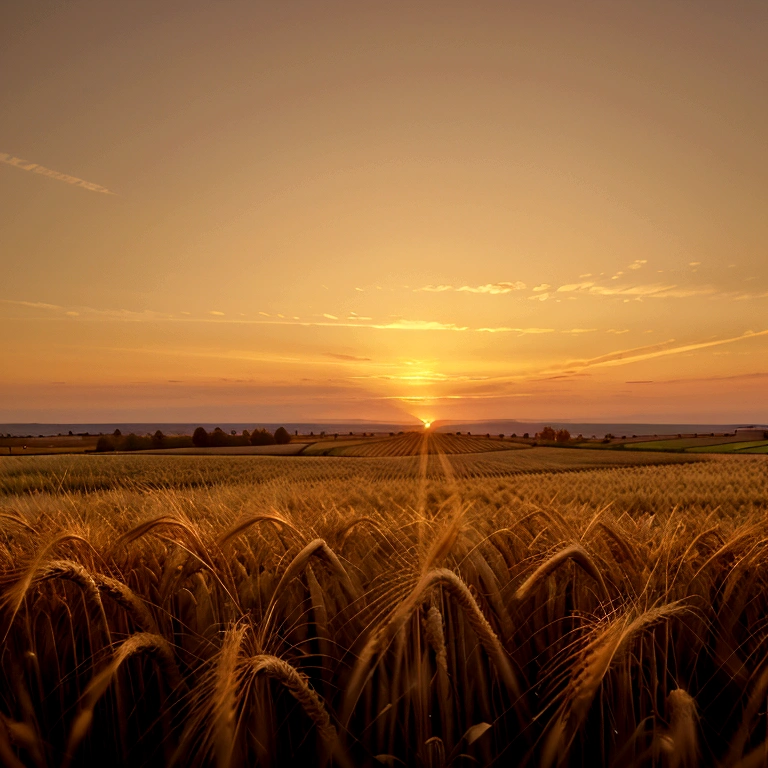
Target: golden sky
264, 211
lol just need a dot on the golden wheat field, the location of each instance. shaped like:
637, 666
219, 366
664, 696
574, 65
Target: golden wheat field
532, 607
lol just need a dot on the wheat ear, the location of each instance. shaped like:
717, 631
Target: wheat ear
574, 552
397, 619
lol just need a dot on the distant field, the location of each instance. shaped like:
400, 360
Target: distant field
681, 443
291, 449
32, 446
730, 447
413, 443
93, 472
323, 447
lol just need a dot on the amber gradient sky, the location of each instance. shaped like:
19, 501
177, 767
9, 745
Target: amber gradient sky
339, 209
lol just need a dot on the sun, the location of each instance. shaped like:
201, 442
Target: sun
427, 423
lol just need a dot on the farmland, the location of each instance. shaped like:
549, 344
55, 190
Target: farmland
539, 606
413, 443
702, 444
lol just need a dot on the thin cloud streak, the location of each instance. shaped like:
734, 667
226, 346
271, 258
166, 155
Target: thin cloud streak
488, 288
657, 350
24, 165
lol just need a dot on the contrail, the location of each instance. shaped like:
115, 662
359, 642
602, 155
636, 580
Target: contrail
43, 171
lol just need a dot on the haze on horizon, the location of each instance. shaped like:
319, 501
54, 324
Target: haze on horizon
287, 211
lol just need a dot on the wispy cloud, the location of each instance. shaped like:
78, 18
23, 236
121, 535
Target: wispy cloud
520, 331
24, 165
625, 356
419, 325
488, 288
348, 358
650, 291
32, 304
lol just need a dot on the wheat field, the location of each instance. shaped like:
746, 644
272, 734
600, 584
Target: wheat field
533, 607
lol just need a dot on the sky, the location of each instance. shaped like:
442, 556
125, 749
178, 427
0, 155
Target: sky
297, 210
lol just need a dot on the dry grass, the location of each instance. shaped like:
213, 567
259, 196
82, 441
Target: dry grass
428, 610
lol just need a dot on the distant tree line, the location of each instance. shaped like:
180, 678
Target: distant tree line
560, 436
200, 438
132, 442
218, 437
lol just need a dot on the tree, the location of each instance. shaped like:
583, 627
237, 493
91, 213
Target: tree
261, 437
563, 436
105, 444
218, 438
157, 439
117, 433
200, 438
281, 436
547, 434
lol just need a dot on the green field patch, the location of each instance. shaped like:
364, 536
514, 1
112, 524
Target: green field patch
730, 447
678, 444
684, 443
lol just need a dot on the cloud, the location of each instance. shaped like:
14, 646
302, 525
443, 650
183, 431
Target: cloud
349, 358
330, 317
521, 331
488, 288
650, 291
216, 313
422, 377
569, 287
494, 288
542, 287
637, 263
435, 288
43, 171
32, 304
623, 357
419, 325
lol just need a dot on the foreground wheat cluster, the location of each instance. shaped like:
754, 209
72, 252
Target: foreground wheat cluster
426, 610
